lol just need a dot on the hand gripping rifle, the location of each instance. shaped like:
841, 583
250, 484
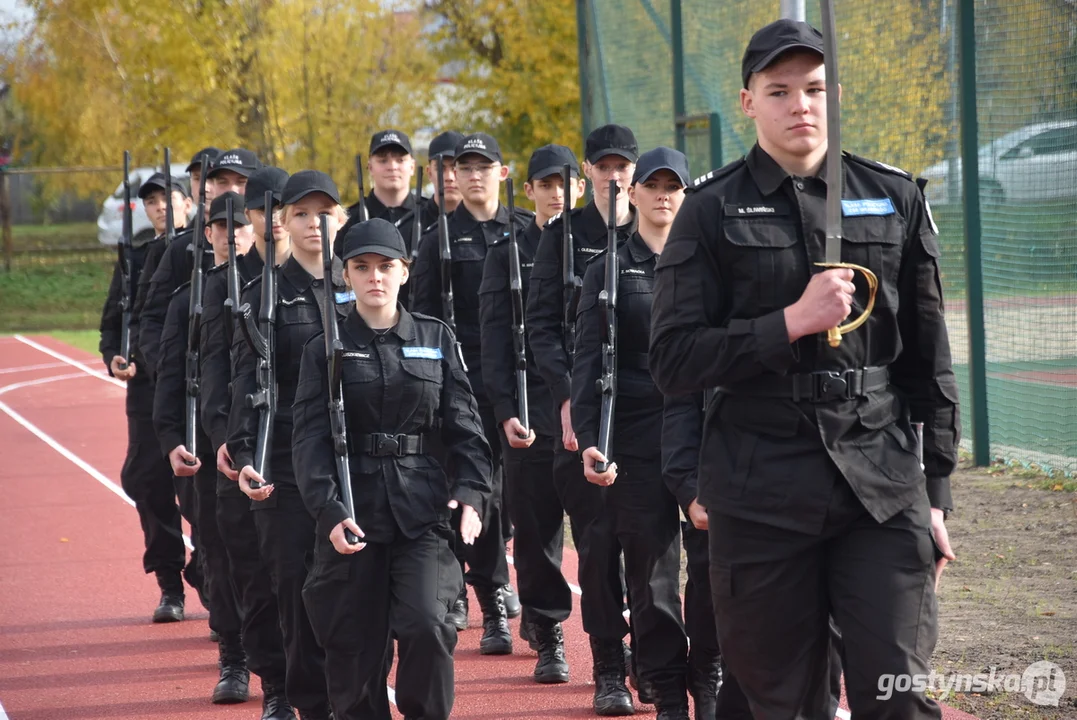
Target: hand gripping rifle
607, 300
364, 215
445, 251
262, 340
334, 354
194, 318
572, 285
127, 267
417, 220
516, 290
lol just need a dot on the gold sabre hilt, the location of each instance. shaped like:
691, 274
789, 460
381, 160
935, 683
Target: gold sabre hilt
833, 335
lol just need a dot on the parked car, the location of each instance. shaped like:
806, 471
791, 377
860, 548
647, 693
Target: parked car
1036, 162
110, 221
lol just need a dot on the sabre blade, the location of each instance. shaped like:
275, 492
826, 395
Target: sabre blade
833, 134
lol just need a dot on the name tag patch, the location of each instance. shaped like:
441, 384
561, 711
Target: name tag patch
359, 355
426, 353
345, 297
756, 210
867, 206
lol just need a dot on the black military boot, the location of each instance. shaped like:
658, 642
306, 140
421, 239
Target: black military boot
674, 712
611, 696
457, 615
704, 679
646, 697
527, 632
512, 601
496, 637
671, 697
194, 576
552, 667
275, 704
321, 714
234, 685
170, 609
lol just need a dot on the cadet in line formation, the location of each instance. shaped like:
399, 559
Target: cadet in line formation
357, 409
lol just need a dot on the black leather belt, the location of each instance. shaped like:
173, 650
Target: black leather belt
384, 444
816, 387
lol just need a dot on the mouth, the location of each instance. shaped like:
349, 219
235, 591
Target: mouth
802, 126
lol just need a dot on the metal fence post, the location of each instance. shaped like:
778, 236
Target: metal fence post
792, 9
677, 33
981, 439
582, 56
5, 217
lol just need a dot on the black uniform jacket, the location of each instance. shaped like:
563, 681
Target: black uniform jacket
741, 250
545, 301
173, 270
498, 356
112, 313
637, 410
215, 345
170, 390
299, 317
408, 380
469, 241
682, 433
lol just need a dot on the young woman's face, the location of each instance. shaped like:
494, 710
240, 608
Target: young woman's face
375, 279
304, 222
658, 198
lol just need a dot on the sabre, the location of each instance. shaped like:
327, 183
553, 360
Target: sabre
833, 176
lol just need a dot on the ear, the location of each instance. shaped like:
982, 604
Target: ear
529, 190
747, 103
503, 174
405, 275
586, 171
632, 194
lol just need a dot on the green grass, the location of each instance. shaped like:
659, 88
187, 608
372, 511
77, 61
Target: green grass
82, 339
54, 296
43, 236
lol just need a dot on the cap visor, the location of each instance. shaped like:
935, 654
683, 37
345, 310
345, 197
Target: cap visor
237, 218
147, 187
378, 148
626, 154
492, 157
383, 250
554, 170
644, 178
293, 199
245, 172
762, 64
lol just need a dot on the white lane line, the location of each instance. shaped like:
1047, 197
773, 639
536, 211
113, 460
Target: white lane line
28, 368
844, 714
70, 361
3, 715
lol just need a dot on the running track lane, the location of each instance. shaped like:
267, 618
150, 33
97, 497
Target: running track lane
75, 639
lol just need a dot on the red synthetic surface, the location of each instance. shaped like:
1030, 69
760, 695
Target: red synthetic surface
75, 636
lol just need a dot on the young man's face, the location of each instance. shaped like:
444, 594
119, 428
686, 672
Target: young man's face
610, 167
391, 169
452, 192
548, 194
225, 181
217, 235
156, 210
787, 101
479, 178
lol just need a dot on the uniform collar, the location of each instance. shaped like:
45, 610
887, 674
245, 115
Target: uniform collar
638, 249
593, 221
361, 333
375, 207
769, 175
301, 280
464, 221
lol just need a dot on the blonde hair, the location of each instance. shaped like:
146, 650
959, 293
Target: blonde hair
338, 211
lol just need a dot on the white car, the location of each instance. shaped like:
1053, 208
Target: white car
1036, 162
110, 221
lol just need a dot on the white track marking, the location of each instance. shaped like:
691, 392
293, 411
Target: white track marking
71, 361
28, 368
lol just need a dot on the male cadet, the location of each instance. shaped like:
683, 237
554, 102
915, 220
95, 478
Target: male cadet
146, 476
611, 153
479, 221
443, 146
261, 633
169, 422
536, 510
817, 502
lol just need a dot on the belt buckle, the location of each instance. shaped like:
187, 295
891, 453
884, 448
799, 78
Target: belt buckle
388, 444
829, 385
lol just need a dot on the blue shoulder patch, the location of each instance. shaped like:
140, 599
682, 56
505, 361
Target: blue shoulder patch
426, 353
345, 297
868, 206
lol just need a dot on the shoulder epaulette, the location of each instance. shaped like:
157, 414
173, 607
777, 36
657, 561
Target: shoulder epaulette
556, 219
439, 321
183, 286
713, 175
430, 227
257, 279
216, 269
876, 165
600, 254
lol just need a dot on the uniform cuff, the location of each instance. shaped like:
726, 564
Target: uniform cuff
686, 495
938, 492
469, 496
505, 410
330, 516
561, 391
170, 441
772, 346
242, 459
588, 439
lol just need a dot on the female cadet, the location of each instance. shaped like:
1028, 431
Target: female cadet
285, 528
403, 381
643, 510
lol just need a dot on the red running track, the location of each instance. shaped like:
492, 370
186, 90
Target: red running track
75, 636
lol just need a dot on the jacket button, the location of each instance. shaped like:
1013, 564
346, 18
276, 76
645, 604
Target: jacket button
800, 185
381, 338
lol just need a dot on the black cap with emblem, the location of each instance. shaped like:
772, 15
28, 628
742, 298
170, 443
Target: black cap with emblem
240, 161
157, 182
266, 178
196, 161
479, 144
374, 236
549, 160
772, 40
611, 140
218, 209
661, 158
444, 144
305, 182
390, 138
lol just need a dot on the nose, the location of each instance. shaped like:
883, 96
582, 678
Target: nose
801, 103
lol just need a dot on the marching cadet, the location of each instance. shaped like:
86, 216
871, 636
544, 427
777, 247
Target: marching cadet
477, 223
169, 422
641, 508
403, 382
249, 574
443, 146
536, 510
146, 476
816, 499
285, 528
611, 153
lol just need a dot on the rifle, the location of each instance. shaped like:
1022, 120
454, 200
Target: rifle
231, 303
262, 340
363, 214
417, 220
572, 284
447, 308
170, 220
194, 319
607, 300
516, 290
334, 354
127, 267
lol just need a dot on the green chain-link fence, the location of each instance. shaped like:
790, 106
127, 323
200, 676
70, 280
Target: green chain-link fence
670, 69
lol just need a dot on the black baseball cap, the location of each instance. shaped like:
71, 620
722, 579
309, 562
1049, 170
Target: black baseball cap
390, 138
662, 158
157, 182
444, 144
374, 236
304, 183
480, 144
611, 140
238, 160
772, 40
549, 160
263, 179
196, 160
218, 209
